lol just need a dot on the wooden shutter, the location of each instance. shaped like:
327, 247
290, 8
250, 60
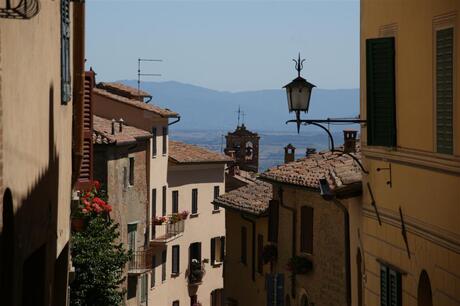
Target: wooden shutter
213, 251
273, 221
154, 142
85, 176
444, 90
164, 201
163, 265
384, 286
381, 105
194, 201
165, 140
244, 246
66, 92
260, 251
216, 194
306, 229
175, 259
154, 212
394, 285
175, 201
222, 249
152, 275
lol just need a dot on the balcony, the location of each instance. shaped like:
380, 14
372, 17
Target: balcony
166, 232
140, 262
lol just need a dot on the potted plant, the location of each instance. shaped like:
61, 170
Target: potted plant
160, 220
300, 265
184, 214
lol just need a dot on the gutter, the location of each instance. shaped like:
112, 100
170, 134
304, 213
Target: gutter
175, 121
294, 236
253, 223
329, 196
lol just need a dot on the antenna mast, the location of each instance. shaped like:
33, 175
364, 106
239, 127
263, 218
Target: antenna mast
139, 74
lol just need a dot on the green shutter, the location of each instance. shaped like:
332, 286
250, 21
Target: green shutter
395, 288
384, 286
381, 105
444, 90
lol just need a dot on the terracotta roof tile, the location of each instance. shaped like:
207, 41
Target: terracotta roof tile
102, 132
123, 90
338, 169
253, 198
163, 112
180, 152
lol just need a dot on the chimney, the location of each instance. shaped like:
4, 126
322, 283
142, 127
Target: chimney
121, 122
289, 153
113, 126
310, 151
349, 141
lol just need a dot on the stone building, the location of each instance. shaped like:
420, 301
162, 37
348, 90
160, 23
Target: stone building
243, 146
246, 225
41, 98
120, 164
188, 255
411, 148
311, 229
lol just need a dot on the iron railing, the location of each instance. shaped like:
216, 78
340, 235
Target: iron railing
141, 261
166, 232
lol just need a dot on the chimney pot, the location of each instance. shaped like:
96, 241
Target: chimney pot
113, 126
121, 122
289, 153
310, 151
349, 141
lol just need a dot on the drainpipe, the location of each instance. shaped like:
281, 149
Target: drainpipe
253, 223
175, 121
294, 236
329, 196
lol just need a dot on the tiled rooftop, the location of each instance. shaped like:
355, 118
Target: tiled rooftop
338, 169
253, 198
180, 152
163, 112
123, 90
102, 132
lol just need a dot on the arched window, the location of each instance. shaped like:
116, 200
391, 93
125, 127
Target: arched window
304, 300
249, 147
424, 297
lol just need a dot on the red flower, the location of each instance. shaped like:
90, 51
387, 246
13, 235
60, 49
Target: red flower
96, 184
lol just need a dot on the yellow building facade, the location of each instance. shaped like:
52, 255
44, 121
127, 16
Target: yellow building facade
411, 147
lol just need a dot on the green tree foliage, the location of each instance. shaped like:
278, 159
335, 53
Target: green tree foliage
99, 262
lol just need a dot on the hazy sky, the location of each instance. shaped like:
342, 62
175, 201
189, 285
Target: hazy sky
225, 45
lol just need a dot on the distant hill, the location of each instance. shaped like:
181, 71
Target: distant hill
265, 110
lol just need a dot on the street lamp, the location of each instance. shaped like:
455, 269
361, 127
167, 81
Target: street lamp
299, 93
298, 98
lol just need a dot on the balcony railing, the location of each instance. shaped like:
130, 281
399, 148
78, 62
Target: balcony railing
140, 262
162, 233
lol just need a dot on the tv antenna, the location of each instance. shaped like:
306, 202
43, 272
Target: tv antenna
239, 112
139, 74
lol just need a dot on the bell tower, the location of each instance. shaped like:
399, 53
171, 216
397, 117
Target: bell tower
243, 146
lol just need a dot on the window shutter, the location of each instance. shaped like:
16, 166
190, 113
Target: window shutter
213, 251
152, 275
222, 249
381, 105
444, 90
306, 229
175, 259
395, 288
175, 201
131, 171
164, 201
273, 221
163, 265
165, 140
216, 194
384, 286
280, 289
154, 212
66, 92
194, 201
154, 142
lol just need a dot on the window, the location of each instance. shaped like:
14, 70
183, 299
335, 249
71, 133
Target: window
444, 90
165, 140
273, 211
175, 303
154, 142
260, 252
216, 194
381, 104
275, 289
194, 201
143, 292
163, 265
424, 294
132, 228
175, 201
244, 245
217, 250
163, 210
175, 259
152, 274
66, 91
217, 297
390, 286
131, 171
154, 211
306, 229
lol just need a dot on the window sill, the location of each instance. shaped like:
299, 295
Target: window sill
195, 215
174, 275
216, 211
217, 264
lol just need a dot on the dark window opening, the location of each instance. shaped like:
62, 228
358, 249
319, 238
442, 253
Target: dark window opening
306, 230
390, 287
244, 245
163, 210
175, 201
194, 201
131, 171
165, 140
154, 142
175, 259
216, 194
